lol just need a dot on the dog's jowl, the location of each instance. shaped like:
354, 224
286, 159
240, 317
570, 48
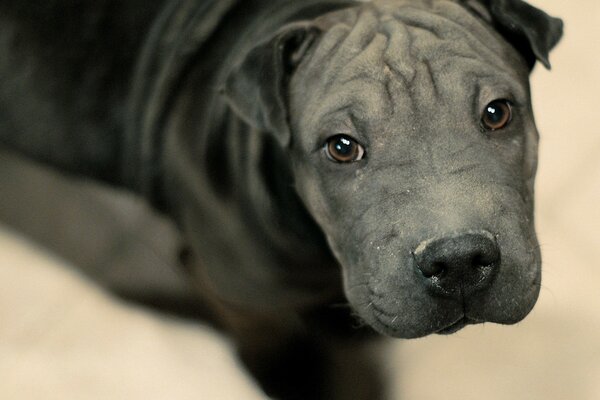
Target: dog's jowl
338, 169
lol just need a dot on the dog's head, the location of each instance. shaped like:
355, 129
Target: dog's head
412, 142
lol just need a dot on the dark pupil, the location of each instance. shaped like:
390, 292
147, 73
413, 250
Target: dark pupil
344, 146
494, 114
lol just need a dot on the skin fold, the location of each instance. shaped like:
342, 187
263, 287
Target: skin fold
337, 169
412, 87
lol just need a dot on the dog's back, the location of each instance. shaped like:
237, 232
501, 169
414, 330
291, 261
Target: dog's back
65, 73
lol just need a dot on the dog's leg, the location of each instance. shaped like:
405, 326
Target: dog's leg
287, 366
291, 360
357, 372
304, 365
316, 354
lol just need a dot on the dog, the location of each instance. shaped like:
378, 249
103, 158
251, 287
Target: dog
338, 169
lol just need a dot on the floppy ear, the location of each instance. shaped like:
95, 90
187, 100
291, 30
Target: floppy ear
530, 30
257, 87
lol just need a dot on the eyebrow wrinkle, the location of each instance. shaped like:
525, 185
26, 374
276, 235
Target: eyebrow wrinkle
357, 122
341, 109
463, 169
399, 75
364, 76
432, 77
476, 98
388, 92
418, 25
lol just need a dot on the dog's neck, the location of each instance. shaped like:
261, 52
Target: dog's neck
182, 31
218, 174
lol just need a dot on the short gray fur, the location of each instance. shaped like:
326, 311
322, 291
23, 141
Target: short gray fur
218, 112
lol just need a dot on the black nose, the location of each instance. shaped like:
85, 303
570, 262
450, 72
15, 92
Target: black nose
460, 264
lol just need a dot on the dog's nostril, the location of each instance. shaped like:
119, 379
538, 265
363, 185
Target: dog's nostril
459, 262
436, 269
481, 260
489, 252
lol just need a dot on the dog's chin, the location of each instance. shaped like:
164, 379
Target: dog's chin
390, 326
444, 325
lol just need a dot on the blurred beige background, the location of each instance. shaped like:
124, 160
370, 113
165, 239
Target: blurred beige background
64, 337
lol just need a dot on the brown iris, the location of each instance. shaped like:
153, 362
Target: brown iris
496, 115
343, 149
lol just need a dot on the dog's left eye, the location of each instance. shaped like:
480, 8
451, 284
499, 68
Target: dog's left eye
496, 115
344, 149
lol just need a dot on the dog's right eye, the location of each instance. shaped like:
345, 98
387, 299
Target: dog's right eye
344, 149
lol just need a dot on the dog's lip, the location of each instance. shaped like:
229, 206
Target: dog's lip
385, 321
457, 326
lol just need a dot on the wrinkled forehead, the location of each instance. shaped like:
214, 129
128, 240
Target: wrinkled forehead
388, 53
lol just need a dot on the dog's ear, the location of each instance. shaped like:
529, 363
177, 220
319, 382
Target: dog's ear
257, 87
530, 30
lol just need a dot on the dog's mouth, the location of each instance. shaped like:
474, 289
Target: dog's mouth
457, 326
387, 323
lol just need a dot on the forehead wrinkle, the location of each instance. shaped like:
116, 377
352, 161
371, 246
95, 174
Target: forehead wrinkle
366, 64
452, 33
398, 56
454, 73
379, 48
418, 42
439, 50
360, 36
355, 68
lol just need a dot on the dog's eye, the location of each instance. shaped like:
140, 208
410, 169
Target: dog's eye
496, 115
343, 149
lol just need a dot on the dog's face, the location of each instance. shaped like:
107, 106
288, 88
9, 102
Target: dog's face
413, 146
414, 149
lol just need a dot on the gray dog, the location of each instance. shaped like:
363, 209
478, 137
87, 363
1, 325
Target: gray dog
314, 153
